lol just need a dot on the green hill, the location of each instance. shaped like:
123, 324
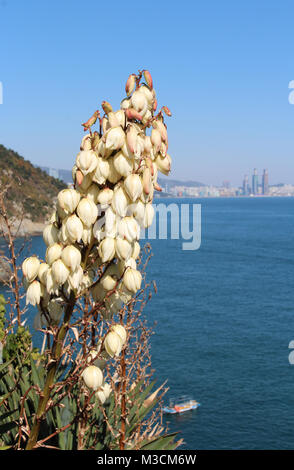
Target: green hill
32, 191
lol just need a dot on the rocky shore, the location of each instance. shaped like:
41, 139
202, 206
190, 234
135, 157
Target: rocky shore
27, 229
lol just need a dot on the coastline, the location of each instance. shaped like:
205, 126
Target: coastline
26, 229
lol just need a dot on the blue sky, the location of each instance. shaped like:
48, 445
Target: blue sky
223, 68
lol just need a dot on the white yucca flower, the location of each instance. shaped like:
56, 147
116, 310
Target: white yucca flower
129, 229
133, 186
163, 164
103, 393
75, 278
42, 272
114, 138
123, 165
30, 268
110, 226
123, 248
71, 257
68, 200
74, 228
120, 331
50, 234
53, 253
105, 197
106, 249
86, 161
92, 377
113, 344
102, 171
87, 211
120, 201
132, 279
139, 102
33, 293
148, 215
136, 250
60, 272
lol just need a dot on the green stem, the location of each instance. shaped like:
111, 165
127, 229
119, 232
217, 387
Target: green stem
52, 368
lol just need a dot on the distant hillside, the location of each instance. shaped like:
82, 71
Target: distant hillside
66, 176
32, 189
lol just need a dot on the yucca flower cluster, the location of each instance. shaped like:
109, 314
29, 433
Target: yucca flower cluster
93, 235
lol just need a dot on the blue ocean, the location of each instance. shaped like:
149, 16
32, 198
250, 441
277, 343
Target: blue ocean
224, 318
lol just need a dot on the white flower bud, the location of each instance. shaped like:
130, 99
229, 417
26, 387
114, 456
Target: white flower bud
106, 249
75, 278
139, 102
71, 257
120, 201
115, 138
136, 250
51, 286
53, 253
113, 344
132, 279
138, 210
68, 200
74, 228
123, 248
50, 234
163, 164
122, 164
105, 196
108, 282
87, 211
42, 272
148, 215
120, 331
87, 161
60, 272
92, 377
110, 223
102, 171
133, 186
103, 393
30, 268
156, 140
147, 197
34, 293
129, 229
86, 142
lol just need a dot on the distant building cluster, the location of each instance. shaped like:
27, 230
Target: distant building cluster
256, 188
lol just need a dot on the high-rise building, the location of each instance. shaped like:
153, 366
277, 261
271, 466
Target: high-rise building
245, 186
255, 182
265, 182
